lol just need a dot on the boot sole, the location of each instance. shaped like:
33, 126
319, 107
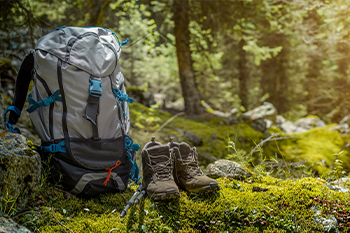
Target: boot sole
170, 193
211, 187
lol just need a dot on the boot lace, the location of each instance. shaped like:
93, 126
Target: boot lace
162, 170
192, 165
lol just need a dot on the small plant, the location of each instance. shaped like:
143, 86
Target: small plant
238, 155
8, 204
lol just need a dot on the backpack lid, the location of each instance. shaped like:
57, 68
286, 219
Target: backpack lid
94, 50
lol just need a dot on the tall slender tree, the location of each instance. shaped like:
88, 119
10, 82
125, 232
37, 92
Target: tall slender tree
97, 10
189, 88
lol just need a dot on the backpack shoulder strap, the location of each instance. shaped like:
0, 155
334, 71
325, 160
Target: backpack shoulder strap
24, 77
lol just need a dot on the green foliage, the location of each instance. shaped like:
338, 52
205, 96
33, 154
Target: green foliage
8, 203
261, 53
315, 150
317, 147
285, 205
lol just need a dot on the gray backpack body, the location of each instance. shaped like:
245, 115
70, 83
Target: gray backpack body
79, 108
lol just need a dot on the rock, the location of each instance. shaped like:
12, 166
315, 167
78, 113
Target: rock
345, 119
289, 128
224, 167
300, 126
261, 125
26, 133
221, 114
337, 188
178, 105
329, 224
309, 122
233, 112
7, 225
20, 168
160, 98
342, 182
269, 123
265, 111
342, 128
194, 138
280, 120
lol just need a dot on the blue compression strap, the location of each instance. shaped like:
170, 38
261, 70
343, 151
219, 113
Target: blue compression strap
13, 109
45, 102
64, 26
11, 129
122, 97
8, 124
130, 147
53, 148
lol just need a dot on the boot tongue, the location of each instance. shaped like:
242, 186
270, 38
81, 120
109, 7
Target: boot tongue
159, 154
185, 151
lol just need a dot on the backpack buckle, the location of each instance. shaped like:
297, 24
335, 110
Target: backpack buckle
48, 101
54, 148
95, 88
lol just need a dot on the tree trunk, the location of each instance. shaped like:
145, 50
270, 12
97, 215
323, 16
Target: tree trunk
243, 76
97, 10
312, 83
274, 79
190, 91
315, 63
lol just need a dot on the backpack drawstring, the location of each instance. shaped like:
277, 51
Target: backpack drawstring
110, 170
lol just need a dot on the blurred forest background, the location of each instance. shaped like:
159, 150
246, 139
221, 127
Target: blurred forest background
227, 53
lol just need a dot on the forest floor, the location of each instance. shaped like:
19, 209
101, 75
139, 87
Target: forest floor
279, 197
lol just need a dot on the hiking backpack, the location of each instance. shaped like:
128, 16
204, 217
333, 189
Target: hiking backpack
79, 109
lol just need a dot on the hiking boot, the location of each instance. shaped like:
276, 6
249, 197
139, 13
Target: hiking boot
157, 165
187, 174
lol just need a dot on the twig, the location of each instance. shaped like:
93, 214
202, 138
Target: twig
142, 37
25, 212
168, 121
261, 144
266, 140
53, 214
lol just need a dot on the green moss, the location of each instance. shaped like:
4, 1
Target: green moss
29, 152
275, 129
213, 131
284, 207
318, 146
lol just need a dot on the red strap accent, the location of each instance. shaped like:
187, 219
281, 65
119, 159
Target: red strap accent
110, 170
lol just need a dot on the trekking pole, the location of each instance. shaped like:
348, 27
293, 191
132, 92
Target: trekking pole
129, 203
137, 200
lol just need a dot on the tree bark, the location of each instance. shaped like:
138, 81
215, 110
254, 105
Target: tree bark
97, 10
189, 88
315, 63
274, 79
243, 76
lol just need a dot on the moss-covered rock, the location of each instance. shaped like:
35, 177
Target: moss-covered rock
8, 225
20, 171
215, 134
317, 148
